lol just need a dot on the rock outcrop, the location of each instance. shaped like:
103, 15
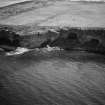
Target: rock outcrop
91, 40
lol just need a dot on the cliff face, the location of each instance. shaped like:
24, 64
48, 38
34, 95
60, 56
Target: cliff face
9, 40
35, 24
66, 38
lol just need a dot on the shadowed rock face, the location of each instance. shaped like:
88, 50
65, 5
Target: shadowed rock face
94, 45
8, 40
77, 39
91, 40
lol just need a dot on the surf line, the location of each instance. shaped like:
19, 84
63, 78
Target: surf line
22, 50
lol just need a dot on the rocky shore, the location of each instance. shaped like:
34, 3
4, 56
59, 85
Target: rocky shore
66, 38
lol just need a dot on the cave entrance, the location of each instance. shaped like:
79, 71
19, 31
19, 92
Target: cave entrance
9, 40
72, 36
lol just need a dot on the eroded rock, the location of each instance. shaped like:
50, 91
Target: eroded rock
68, 39
9, 40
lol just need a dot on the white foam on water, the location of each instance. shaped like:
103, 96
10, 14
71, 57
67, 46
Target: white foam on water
48, 48
21, 50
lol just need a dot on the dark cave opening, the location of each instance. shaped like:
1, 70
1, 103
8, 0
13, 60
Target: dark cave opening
91, 44
9, 41
69, 41
94, 45
72, 36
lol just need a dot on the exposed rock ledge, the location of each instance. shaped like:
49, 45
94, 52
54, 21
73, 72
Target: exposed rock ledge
92, 40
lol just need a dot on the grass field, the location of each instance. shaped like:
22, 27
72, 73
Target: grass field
54, 13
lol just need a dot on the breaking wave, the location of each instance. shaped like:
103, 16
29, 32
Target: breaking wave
21, 50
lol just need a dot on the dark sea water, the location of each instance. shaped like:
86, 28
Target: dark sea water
52, 78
